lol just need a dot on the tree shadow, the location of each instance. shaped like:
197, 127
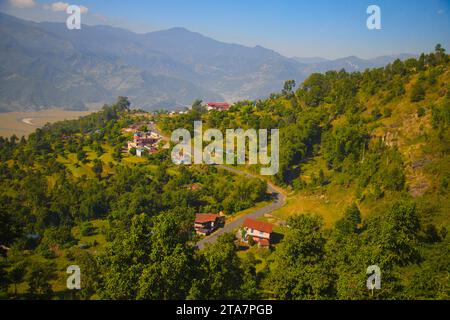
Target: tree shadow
276, 238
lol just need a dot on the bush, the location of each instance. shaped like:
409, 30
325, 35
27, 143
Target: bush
298, 184
376, 113
86, 229
97, 168
251, 241
417, 93
46, 252
387, 112
421, 111
60, 236
70, 255
431, 234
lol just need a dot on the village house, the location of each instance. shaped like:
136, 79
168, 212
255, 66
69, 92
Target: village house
206, 223
260, 231
219, 106
133, 128
144, 142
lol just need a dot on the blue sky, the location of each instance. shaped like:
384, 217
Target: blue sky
326, 28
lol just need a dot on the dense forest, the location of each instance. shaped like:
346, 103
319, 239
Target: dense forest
69, 195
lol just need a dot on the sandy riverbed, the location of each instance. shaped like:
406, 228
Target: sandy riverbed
24, 123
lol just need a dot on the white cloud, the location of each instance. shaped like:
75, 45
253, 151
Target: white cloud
62, 6
22, 3
59, 6
84, 9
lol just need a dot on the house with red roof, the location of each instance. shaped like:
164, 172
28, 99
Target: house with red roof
220, 106
260, 231
206, 223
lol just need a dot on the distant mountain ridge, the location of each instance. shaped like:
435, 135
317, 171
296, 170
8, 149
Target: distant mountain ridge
310, 60
353, 63
44, 65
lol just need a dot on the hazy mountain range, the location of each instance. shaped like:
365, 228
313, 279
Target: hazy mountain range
45, 65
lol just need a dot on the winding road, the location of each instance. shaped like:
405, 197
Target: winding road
279, 200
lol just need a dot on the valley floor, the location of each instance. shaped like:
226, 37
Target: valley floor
24, 123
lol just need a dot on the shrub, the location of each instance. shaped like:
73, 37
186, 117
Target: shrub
86, 229
376, 113
46, 252
251, 241
387, 112
60, 236
421, 111
417, 93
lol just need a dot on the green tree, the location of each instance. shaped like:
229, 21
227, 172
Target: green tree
125, 259
220, 271
122, 104
168, 278
299, 271
4, 280
399, 234
91, 277
288, 88
17, 273
351, 220
38, 278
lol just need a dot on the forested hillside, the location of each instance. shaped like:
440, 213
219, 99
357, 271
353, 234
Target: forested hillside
369, 151
365, 156
69, 195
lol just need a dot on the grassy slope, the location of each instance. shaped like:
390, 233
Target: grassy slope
404, 129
